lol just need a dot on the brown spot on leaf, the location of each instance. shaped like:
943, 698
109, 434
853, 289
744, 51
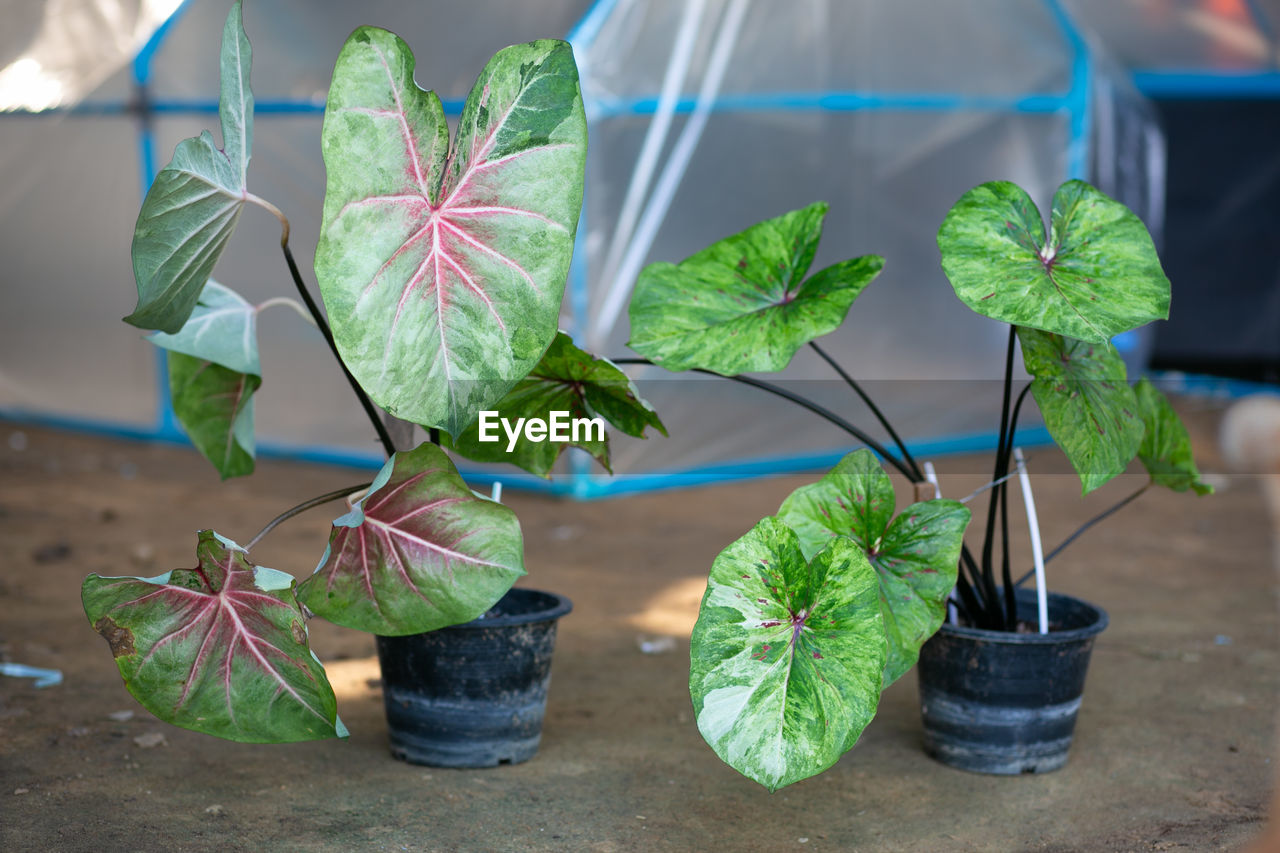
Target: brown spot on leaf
119, 638
299, 632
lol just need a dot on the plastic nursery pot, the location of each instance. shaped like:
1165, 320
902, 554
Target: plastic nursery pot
1006, 703
473, 695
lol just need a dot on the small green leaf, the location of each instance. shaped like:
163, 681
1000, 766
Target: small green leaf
787, 655
740, 305
214, 404
220, 649
223, 329
1166, 447
1096, 276
1087, 404
195, 202
420, 551
575, 384
916, 556
442, 266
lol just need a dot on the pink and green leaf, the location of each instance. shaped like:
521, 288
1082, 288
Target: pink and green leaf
420, 551
915, 555
214, 404
220, 649
1166, 447
195, 202
1087, 404
742, 304
442, 266
567, 379
787, 655
1096, 274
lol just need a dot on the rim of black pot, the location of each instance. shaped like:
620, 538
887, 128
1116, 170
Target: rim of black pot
557, 607
1094, 628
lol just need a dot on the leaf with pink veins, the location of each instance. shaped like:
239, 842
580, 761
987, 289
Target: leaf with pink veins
442, 265
220, 649
420, 551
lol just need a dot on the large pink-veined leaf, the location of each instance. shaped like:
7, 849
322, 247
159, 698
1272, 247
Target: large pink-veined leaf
442, 267
420, 551
195, 202
221, 648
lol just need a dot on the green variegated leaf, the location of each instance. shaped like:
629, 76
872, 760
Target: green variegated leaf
742, 304
194, 203
442, 267
576, 385
221, 648
214, 404
916, 555
787, 655
1087, 404
1096, 275
420, 551
1166, 448
223, 328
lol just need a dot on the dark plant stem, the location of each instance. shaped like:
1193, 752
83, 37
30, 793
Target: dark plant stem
301, 508
1006, 570
369, 409
875, 410
1100, 517
803, 402
433, 435
997, 492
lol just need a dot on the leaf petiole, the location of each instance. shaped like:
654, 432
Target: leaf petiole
303, 507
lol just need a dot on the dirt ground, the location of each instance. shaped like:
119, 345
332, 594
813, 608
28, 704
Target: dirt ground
1173, 749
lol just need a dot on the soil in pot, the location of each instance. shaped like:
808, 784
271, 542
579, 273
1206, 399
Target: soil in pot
473, 695
1006, 703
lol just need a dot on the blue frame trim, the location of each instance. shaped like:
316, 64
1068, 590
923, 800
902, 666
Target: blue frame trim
1207, 85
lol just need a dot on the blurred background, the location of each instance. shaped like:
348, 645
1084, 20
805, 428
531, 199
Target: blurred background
705, 117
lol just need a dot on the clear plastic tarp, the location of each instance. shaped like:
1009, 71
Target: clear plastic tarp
705, 117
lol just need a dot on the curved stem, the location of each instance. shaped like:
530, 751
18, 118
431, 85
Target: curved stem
1002, 468
274, 211
301, 508
387, 444
875, 410
804, 402
288, 303
1102, 516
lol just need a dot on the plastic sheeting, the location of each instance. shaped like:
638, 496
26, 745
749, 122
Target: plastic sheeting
888, 110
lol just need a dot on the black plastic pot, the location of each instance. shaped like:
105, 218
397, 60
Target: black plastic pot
473, 695
1006, 703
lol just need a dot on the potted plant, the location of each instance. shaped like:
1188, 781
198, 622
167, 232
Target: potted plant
441, 264
815, 610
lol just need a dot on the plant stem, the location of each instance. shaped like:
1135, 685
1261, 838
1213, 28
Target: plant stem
1102, 516
301, 508
323, 326
875, 410
997, 493
804, 402
288, 303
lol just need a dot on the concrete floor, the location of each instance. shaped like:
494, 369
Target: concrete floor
1173, 749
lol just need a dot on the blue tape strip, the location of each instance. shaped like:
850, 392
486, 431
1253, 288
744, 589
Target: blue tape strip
846, 102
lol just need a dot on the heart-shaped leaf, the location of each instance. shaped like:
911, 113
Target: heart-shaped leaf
1096, 276
442, 267
567, 389
214, 404
1087, 404
1166, 447
740, 305
221, 648
916, 556
420, 551
223, 328
787, 655
194, 203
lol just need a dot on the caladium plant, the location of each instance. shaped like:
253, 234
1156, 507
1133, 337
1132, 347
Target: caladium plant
813, 612
441, 264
